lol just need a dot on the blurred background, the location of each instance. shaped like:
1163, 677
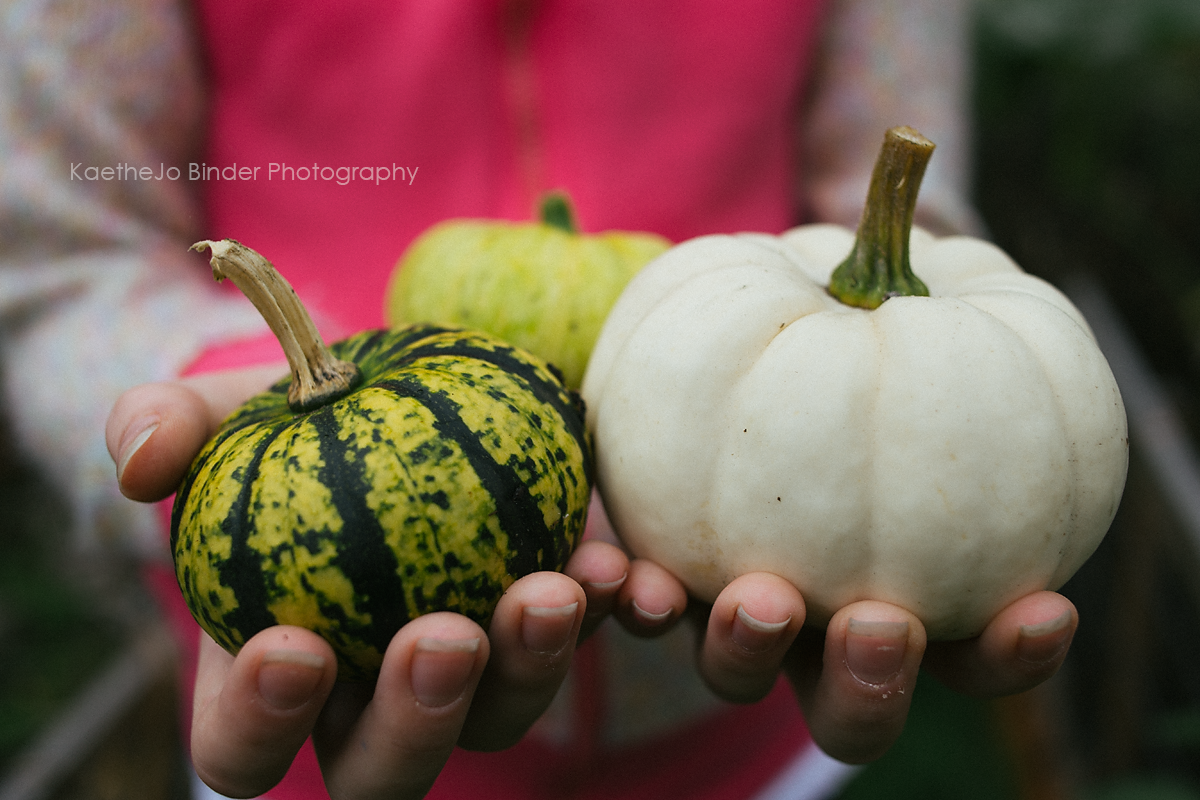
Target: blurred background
1087, 120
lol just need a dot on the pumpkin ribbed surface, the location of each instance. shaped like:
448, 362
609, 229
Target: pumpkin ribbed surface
458, 465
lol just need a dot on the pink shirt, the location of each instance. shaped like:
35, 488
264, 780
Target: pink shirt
673, 117
337, 137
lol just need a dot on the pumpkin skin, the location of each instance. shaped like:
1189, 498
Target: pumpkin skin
458, 464
948, 454
541, 285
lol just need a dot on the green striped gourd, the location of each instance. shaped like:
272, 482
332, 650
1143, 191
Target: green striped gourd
442, 465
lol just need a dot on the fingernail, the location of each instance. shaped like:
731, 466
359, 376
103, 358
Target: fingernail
875, 649
546, 631
144, 428
607, 585
754, 635
288, 678
1042, 642
648, 617
601, 609
441, 668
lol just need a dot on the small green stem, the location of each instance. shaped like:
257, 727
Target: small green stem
317, 376
555, 210
878, 266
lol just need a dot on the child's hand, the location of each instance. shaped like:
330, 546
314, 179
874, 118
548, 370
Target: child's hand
854, 680
444, 680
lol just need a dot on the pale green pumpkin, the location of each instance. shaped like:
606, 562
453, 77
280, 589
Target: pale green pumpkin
542, 286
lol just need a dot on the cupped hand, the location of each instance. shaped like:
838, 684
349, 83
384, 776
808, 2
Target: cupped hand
854, 679
444, 680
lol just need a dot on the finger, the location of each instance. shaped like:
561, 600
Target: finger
396, 744
651, 600
1024, 645
155, 430
601, 570
153, 433
752, 624
856, 687
253, 712
532, 634
598, 524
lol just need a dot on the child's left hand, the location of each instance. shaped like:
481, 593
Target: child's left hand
855, 679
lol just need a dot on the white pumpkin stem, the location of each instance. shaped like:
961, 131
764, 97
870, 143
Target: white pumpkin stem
317, 376
878, 266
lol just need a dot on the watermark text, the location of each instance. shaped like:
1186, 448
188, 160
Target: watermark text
272, 171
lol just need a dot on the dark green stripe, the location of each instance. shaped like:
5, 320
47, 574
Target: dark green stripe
358, 347
363, 554
181, 498
568, 405
242, 572
517, 510
382, 351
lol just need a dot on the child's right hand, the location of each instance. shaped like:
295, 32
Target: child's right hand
444, 682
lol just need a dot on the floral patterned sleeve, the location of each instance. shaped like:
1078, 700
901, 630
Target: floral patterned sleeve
886, 63
99, 105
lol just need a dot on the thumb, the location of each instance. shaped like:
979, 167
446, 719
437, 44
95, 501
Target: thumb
156, 429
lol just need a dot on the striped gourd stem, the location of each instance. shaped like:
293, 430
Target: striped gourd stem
317, 376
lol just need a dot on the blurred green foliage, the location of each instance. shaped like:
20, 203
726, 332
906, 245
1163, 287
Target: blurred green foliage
52, 640
1145, 787
1087, 116
1088, 142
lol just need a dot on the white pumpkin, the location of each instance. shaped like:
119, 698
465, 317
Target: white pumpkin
949, 454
